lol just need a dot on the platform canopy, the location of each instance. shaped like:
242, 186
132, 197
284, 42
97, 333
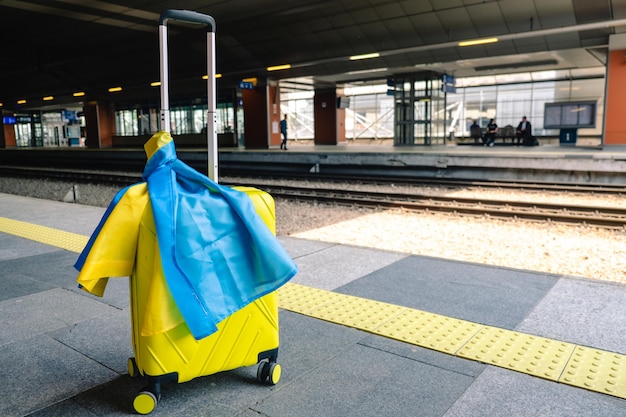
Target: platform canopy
56, 48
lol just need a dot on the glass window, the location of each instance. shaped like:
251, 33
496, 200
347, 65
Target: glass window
514, 102
370, 116
126, 122
480, 104
299, 107
225, 117
23, 133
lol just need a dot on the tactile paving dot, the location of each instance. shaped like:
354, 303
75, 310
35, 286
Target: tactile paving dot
521, 352
65, 240
596, 370
302, 299
358, 312
432, 331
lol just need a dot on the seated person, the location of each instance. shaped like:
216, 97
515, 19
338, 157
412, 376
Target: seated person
490, 135
476, 132
524, 132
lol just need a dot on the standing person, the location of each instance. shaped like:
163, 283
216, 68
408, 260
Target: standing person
283, 131
490, 135
524, 132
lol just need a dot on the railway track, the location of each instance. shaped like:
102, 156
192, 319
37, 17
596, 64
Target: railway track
573, 214
443, 182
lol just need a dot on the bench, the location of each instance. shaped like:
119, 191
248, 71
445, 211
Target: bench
504, 133
507, 132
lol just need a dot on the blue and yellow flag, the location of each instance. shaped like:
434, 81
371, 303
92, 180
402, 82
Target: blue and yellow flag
216, 253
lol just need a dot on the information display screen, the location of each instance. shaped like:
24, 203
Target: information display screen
570, 115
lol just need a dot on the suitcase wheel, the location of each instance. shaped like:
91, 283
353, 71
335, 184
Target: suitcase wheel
269, 372
133, 369
145, 402
275, 373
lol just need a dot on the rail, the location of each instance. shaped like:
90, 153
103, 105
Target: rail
614, 218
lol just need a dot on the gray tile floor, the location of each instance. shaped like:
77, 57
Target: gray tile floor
63, 352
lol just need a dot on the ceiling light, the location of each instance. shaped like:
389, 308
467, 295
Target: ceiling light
79, 94
155, 83
21, 101
115, 89
48, 98
370, 71
1, 104
478, 41
206, 77
364, 56
279, 67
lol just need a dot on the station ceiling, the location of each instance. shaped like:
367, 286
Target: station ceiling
57, 47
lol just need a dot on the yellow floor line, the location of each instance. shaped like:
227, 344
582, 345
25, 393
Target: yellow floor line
567, 363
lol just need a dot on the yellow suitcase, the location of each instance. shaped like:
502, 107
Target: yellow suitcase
125, 243
246, 337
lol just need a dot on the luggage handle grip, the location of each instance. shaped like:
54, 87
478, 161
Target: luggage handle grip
191, 17
188, 16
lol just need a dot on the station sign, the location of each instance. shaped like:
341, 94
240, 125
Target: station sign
245, 85
448, 83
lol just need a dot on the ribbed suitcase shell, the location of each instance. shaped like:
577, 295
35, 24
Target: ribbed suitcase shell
244, 338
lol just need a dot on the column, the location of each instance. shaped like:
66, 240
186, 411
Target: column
7, 131
261, 113
615, 106
329, 108
100, 124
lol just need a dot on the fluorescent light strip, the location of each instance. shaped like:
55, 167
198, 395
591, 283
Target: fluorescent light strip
279, 67
364, 56
115, 89
79, 94
370, 71
48, 98
21, 101
478, 42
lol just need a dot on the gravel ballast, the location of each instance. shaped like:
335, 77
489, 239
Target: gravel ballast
572, 250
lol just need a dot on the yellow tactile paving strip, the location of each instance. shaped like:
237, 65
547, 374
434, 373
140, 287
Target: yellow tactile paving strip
54, 237
567, 363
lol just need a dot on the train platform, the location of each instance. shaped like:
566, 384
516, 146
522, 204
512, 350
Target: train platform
549, 163
363, 332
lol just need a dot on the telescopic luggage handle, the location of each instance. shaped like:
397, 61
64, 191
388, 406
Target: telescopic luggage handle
190, 16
